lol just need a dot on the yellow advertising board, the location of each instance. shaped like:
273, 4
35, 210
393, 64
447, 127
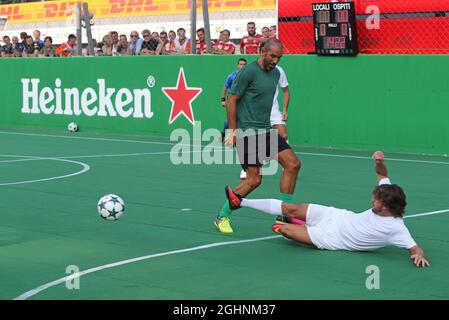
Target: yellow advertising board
63, 10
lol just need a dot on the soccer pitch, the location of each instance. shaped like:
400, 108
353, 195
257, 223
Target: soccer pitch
166, 247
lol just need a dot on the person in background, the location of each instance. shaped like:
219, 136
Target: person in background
67, 49
47, 50
135, 43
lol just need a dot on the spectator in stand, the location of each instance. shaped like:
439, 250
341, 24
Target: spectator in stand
17, 47
170, 47
163, 41
31, 48
97, 48
123, 47
149, 44
67, 49
47, 50
135, 43
201, 47
23, 36
37, 38
265, 37
171, 35
7, 50
182, 43
107, 45
273, 32
155, 35
251, 42
265, 33
225, 46
115, 42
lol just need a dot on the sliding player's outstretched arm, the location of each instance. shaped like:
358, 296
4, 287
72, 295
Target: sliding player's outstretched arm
379, 165
418, 257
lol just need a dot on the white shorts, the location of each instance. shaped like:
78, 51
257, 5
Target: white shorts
322, 226
276, 116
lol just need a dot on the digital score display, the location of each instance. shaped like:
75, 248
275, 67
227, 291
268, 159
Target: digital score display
335, 28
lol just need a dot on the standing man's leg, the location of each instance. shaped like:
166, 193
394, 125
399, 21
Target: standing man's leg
252, 181
291, 164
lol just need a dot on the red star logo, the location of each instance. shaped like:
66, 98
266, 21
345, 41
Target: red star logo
181, 97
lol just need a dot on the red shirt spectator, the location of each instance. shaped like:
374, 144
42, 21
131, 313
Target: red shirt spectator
201, 47
250, 44
227, 47
67, 49
224, 46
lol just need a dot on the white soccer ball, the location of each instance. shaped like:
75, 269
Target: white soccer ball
72, 127
111, 207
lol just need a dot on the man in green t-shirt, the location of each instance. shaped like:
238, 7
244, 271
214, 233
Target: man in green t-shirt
248, 111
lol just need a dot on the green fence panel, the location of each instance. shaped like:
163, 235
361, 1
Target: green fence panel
397, 102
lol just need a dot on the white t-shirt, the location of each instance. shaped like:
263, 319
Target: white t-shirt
283, 83
366, 231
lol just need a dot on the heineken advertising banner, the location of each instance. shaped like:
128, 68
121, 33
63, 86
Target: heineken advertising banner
148, 95
397, 102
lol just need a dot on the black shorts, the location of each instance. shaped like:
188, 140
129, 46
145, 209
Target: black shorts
255, 150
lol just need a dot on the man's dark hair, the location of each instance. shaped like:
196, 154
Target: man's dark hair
180, 29
162, 32
5, 37
49, 38
393, 197
23, 35
253, 23
200, 30
267, 45
71, 36
242, 59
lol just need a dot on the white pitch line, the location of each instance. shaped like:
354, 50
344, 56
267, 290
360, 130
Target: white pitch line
369, 158
175, 143
85, 168
43, 287
92, 138
33, 158
426, 214
31, 293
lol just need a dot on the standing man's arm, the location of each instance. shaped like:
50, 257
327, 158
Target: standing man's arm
231, 108
286, 92
379, 166
223, 96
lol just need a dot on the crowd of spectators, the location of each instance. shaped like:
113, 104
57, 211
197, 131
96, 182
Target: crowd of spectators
151, 43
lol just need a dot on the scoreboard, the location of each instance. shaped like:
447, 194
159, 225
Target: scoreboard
335, 28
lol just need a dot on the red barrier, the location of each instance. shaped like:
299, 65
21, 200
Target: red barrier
399, 30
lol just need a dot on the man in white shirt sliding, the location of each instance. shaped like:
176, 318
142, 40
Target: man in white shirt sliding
339, 229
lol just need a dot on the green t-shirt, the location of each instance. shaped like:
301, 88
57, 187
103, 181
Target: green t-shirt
256, 89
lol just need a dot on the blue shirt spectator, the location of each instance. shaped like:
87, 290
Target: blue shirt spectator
135, 45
